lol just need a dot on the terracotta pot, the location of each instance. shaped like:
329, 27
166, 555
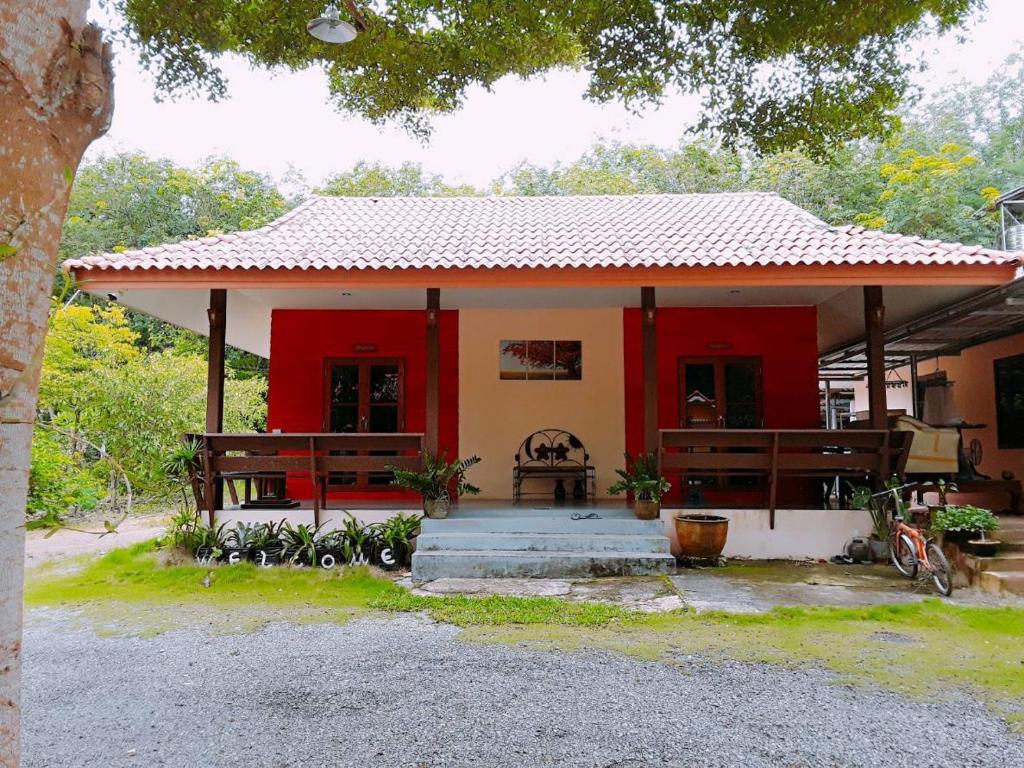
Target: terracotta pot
436, 509
647, 510
701, 535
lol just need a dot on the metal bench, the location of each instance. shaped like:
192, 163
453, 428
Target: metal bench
554, 455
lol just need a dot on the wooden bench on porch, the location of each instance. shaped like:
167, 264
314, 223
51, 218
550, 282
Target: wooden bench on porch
311, 456
558, 455
867, 456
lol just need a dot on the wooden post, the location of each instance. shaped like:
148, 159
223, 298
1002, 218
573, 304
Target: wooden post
874, 342
433, 368
217, 314
649, 312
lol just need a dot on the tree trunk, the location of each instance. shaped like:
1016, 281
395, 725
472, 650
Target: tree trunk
56, 97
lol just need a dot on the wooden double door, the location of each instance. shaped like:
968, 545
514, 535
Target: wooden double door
364, 395
720, 393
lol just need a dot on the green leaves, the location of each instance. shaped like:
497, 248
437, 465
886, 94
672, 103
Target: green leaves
7, 250
771, 75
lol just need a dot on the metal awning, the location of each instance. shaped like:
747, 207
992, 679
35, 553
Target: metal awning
986, 316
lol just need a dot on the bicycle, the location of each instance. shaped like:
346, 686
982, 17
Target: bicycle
909, 550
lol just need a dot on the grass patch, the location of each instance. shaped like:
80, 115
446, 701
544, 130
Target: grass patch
499, 610
130, 584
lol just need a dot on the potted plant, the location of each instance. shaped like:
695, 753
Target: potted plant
943, 489
878, 541
266, 543
398, 535
238, 543
208, 543
355, 541
436, 480
641, 478
300, 543
967, 525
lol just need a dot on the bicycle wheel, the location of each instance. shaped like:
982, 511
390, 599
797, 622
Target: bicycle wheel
942, 574
903, 556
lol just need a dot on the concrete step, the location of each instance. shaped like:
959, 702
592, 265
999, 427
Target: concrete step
1002, 582
1003, 561
467, 563
543, 542
544, 524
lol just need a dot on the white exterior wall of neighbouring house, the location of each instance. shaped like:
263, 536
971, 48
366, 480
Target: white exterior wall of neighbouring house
495, 415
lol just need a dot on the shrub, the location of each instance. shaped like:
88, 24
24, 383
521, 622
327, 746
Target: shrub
967, 518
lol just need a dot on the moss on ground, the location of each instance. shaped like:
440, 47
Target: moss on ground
929, 648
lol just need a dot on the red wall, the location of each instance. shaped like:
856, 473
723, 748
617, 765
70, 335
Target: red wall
300, 340
786, 339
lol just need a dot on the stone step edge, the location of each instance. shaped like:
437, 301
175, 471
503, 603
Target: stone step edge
551, 553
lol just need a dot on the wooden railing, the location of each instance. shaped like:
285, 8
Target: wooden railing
314, 456
865, 455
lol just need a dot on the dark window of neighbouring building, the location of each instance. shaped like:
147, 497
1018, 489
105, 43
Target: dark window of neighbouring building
1009, 376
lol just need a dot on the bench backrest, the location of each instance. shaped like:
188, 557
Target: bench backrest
552, 448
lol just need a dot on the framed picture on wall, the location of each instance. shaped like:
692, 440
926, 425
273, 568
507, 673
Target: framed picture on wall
540, 360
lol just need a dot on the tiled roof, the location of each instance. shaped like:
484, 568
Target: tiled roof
361, 233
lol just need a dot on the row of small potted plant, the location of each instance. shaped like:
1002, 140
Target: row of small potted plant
389, 544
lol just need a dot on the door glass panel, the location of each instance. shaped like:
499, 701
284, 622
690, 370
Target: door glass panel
344, 384
741, 396
344, 418
384, 418
383, 385
699, 397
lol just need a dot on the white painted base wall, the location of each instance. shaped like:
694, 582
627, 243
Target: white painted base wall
798, 534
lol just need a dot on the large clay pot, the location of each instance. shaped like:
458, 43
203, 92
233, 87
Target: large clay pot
436, 509
701, 535
647, 510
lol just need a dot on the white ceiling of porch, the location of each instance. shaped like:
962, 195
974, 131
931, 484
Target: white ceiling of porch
840, 308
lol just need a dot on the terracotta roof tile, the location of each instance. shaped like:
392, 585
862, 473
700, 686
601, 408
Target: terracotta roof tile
363, 233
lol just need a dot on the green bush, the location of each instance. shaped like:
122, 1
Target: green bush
966, 518
58, 483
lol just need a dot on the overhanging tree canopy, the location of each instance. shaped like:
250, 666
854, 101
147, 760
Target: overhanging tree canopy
772, 73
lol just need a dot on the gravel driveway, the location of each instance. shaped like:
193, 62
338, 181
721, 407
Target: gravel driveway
406, 692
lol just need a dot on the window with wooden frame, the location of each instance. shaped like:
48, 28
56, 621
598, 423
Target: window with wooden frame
1009, 386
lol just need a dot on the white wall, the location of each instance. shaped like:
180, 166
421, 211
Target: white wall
798, 534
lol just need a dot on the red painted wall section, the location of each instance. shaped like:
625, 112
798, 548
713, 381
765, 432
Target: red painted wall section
300, 341
786, 339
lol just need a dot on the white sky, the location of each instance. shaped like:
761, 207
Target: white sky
271, 122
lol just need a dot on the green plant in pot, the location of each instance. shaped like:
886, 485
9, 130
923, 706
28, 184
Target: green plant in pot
209, 543
967, 524
642, 479
300, 543
861, 498
355, 540
436, 481
397, 537
266, 543
943, 489
239, 542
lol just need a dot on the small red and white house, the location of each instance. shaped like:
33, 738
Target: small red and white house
478, 321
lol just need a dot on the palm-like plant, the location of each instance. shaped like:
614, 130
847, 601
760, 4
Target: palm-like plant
438, 477
641, 478
181, 464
